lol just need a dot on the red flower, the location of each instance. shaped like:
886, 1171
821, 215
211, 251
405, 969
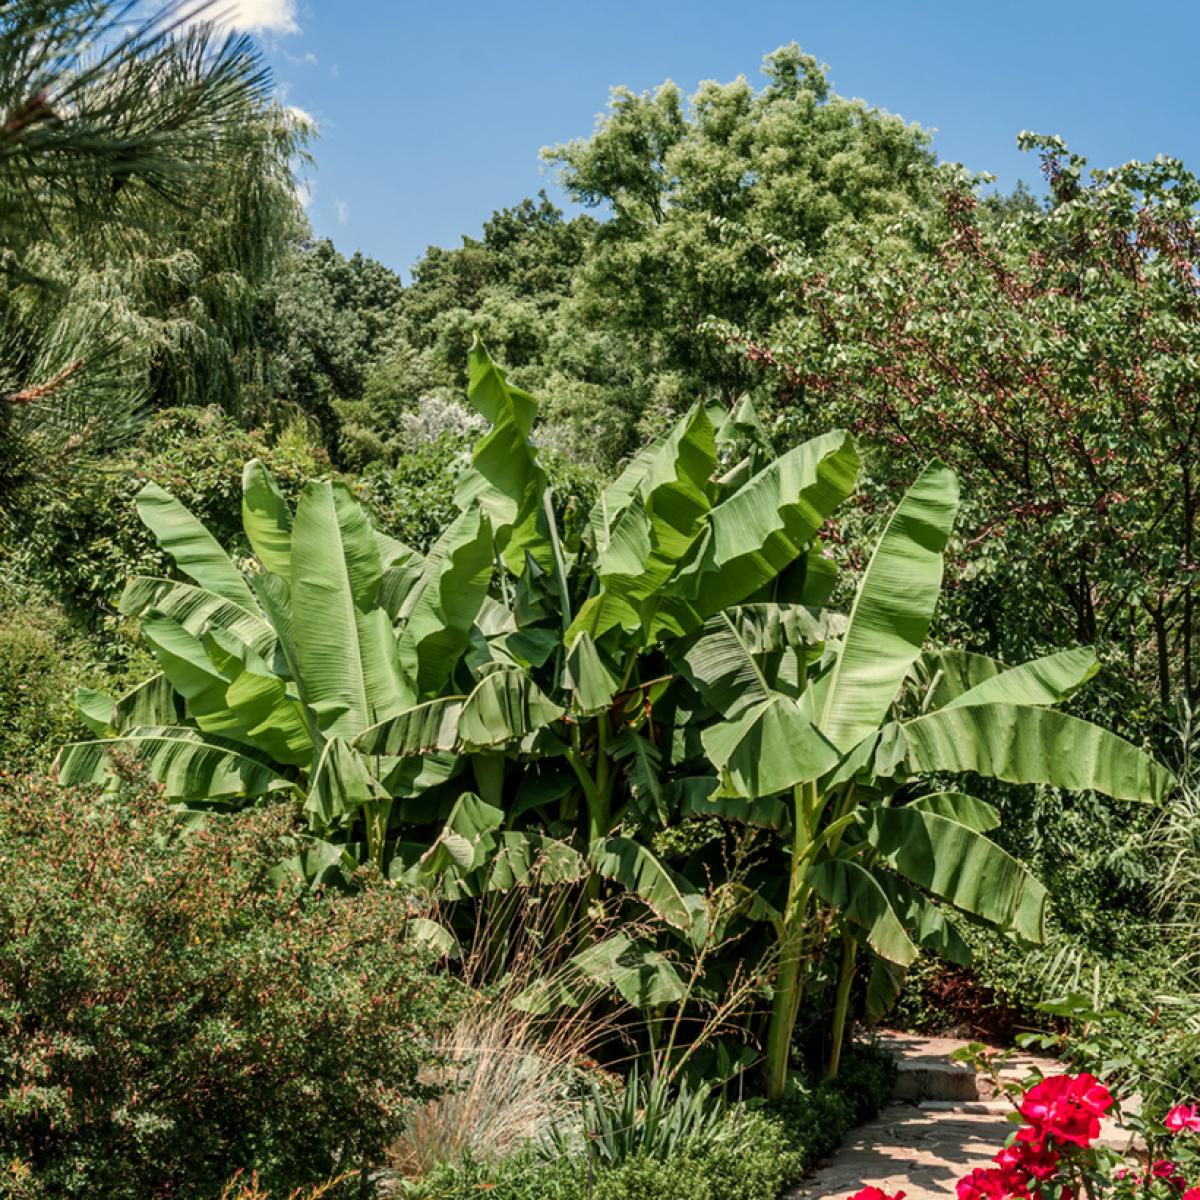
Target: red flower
1191, 1194
1068, 1107
1165, 1169
874, 1193
1031, 1152
992, 1183
1183, 1116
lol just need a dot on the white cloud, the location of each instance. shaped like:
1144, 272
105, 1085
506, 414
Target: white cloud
304, 192
259, 16
343, 211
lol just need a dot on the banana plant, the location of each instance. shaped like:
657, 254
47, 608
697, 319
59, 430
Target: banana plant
278, 669
876, 721
495, 695
524, 702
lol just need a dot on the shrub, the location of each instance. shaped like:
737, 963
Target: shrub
85, 541
45, 659
760, 1152
173, 1008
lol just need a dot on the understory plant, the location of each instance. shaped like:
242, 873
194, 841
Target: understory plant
533, 704
173, 1007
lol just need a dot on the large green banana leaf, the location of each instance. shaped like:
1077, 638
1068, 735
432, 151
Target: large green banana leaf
892, 610
591, 682
643, 977
229, 690
198, 610
769, 748
344, 642
642, 762
858, 895
768, 628
959, 866
761, 529
466, 842
925, 922
275, 597
956, 677
616, 497
190, 765
256, 706
1020, 744
699, 796
149, 703
195, 550
420, 730
524, 857
504, 706
341, 783
505, 479
947, 674
957, 806
720, 664
655, 884
654, 533
267, 519
182, 659
403, 570
884, 985
1043, 681
439, 610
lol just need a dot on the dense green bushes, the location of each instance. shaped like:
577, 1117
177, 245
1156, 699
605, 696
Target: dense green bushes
41, 653
173, 1008
83, 541
759, 1152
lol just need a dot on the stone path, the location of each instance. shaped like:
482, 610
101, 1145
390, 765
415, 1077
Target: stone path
944, 1121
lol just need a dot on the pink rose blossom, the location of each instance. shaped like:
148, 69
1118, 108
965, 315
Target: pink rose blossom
1184, 1116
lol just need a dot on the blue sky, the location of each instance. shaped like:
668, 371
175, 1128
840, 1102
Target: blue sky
431, 114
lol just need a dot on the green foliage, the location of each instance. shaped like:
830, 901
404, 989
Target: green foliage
649, 1119
145, 197
85, 540
42, 655
1048, 355
758, 1153
174, 1008
701, 190
325, 320
405, 697
605, 318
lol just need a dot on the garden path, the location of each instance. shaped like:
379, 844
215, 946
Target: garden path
943, 1122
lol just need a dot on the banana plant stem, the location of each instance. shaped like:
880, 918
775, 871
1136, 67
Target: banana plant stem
841, 1004
789, 981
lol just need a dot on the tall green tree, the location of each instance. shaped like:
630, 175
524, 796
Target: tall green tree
695, 188
145, 195
1051, 356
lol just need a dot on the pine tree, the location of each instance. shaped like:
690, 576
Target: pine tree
145, 189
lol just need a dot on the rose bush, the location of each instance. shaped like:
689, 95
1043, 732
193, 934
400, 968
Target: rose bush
1055, 1154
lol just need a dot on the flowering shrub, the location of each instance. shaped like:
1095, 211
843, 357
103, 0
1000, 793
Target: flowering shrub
1054, 1155
172, 1011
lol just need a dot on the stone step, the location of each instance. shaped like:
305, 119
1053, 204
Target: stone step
927, 1072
